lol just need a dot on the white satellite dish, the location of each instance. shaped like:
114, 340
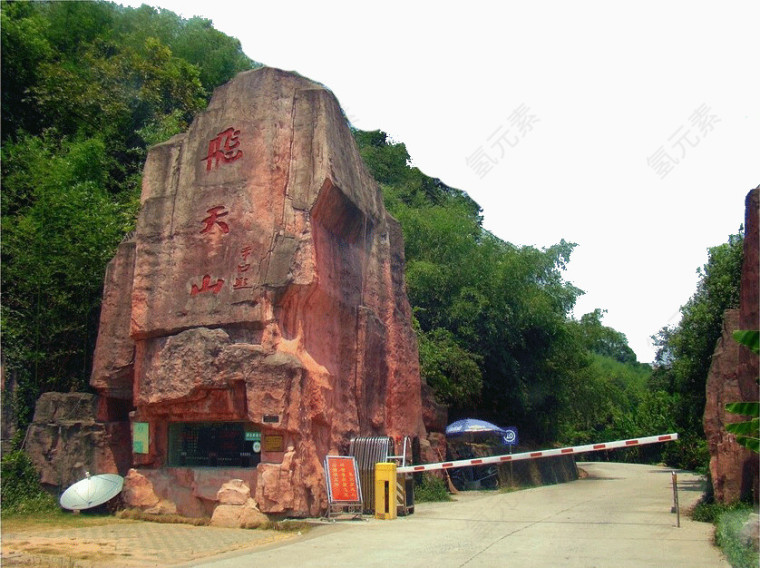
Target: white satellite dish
92, 491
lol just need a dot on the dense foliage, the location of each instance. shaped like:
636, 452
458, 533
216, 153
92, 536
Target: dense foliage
493, 320
731, 535
21, 489
86, 88
685, 350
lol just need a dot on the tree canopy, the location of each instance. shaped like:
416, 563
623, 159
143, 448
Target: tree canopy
685, 350
496, 335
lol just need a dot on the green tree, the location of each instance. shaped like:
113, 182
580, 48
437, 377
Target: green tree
24, 48
605, 340
685, 351
480, 302
452, 371
55, 247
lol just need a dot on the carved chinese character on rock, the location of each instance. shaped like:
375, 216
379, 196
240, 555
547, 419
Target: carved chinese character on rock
224, 147
206, 286
213, 219
244, 266
241, 283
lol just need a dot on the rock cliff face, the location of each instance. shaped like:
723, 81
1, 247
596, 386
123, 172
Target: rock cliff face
264, 286
64, 440
733, 378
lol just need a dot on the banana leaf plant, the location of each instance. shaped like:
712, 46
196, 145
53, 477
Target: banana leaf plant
747, 432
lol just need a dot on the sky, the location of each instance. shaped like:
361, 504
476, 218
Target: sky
629, 128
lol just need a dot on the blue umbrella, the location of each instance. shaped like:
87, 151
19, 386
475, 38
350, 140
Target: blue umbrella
475, 426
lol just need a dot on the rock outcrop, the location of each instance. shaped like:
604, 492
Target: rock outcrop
733, 377
64, 439
263, 285
236, 508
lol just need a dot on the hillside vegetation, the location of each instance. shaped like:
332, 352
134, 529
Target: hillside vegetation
88, 86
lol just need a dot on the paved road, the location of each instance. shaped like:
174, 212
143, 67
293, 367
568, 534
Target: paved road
619, 516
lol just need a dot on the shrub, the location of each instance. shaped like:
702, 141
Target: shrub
728, 521
689, 452
431, 488
729, 538
21, 491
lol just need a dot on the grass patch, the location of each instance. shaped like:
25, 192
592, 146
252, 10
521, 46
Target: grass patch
708, 511
728, 537
286, 526
14, 522
728, 521
431, 488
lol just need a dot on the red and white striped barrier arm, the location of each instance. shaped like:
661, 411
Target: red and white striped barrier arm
540, 454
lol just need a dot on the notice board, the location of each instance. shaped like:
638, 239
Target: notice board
342, 479
140, 437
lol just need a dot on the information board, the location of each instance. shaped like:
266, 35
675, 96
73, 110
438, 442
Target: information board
342, 479
140, 437
273, 443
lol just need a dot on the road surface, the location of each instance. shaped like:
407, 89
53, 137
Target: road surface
619, 516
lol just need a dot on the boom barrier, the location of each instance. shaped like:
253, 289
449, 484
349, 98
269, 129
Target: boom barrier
540, 454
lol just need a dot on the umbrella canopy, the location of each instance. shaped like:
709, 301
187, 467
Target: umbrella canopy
92, 491
475, 426
471, 425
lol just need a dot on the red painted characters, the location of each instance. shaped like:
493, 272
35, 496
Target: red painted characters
223, 148
213, 219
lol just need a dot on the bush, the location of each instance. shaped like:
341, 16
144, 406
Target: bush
729, 538
21, 491
688, 452
728, 521
431, 488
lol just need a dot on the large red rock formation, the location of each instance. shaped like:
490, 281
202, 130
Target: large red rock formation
733, 377
749, 303
64, 440
264, 285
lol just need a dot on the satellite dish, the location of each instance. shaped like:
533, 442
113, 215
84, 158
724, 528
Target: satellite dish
92, 491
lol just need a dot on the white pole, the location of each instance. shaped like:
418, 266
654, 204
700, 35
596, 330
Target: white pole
541, 453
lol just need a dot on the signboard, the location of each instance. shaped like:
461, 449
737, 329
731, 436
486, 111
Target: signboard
510, 436
342, 479
140, 437
273, 443
255, 439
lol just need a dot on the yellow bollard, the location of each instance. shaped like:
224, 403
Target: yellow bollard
385, 491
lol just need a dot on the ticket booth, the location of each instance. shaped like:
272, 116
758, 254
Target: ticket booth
214, 444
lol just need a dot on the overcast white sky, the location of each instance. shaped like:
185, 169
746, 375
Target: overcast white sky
629, 128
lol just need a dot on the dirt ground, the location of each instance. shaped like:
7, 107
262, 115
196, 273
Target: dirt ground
127, 544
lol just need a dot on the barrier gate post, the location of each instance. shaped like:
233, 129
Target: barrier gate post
385, 491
